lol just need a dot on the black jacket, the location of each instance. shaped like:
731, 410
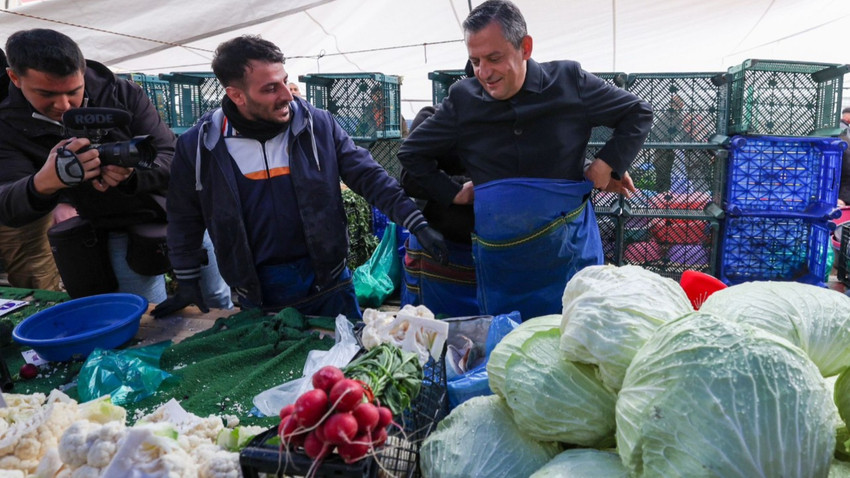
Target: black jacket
26, 142
541, 132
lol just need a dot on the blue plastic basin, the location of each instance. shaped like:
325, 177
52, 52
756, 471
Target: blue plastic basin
72, 330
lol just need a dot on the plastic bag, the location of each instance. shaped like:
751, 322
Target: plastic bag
375, 280
269, 402
474, 382
128, 375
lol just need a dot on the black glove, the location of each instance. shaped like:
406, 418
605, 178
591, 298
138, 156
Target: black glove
188, 293
434, 244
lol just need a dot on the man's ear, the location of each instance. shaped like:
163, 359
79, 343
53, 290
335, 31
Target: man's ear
16, 80
236, 95
525, 46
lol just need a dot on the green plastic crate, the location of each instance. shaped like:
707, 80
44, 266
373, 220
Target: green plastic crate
785, 98
366, 105
441, 80
192, 94
157, 91
688, 108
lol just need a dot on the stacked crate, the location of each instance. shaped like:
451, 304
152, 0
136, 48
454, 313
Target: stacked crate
157, 90
671, 223
366, 105
783, 170
441, 80
191, 95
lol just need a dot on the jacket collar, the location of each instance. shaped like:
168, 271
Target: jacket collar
211, 128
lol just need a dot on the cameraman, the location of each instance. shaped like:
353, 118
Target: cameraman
49, 76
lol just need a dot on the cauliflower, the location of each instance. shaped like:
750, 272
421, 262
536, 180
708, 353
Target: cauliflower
29, 431
413, 329
216, 462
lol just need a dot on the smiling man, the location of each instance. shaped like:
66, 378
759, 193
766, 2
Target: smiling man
263, 174
521, 129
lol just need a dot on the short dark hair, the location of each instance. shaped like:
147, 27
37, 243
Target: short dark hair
845, 110
233, 57
505, 12
44, 50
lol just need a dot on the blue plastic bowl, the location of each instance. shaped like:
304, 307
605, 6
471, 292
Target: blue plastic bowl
72, 330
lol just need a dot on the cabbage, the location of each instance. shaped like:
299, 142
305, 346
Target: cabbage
839, 469
610, 311
479, 439
841, 394
583, 463
709, 397
813, 318
553, 399
511, 343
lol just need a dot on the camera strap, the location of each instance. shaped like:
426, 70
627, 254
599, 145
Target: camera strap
68, 167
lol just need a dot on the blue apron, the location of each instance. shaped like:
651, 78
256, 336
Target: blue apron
531, 236
447, 290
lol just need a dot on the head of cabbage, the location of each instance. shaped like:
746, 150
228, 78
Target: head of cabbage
706, 396
813, 318
480, 438
609, 312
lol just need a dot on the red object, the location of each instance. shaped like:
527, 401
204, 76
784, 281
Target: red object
699, 285
28, 371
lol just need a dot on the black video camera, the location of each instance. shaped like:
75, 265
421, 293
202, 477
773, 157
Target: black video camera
138, 152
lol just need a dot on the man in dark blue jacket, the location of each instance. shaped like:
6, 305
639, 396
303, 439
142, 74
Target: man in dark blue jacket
262, 173
521, 129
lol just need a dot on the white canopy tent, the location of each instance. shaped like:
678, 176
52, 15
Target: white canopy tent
411, 38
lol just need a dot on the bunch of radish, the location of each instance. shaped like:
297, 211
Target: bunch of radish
338, 414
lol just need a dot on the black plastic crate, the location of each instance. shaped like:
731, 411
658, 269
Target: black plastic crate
157, 90
768, 174
399, 457
611, 233
688, 108
785, 98
384, 151
192, 94
441, 80
842, 256
670, 178
366, 105
774, 248
601, 134
670, 244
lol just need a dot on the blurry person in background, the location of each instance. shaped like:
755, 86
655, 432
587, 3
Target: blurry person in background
293, 88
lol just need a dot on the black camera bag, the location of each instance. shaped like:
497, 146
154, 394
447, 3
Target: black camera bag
147, 251
81, 253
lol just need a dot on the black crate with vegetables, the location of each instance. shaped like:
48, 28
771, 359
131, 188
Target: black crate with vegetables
331, 430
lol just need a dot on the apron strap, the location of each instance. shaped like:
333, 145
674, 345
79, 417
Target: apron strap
558, 222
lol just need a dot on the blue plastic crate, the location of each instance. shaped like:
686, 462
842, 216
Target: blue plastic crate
779, 174
774, 248
366, 105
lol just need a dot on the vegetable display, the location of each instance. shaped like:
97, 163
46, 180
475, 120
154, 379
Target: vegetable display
339, 415
609, 312
393, 375
480, 439
583, 463
554, 399
706, 396
813, 318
